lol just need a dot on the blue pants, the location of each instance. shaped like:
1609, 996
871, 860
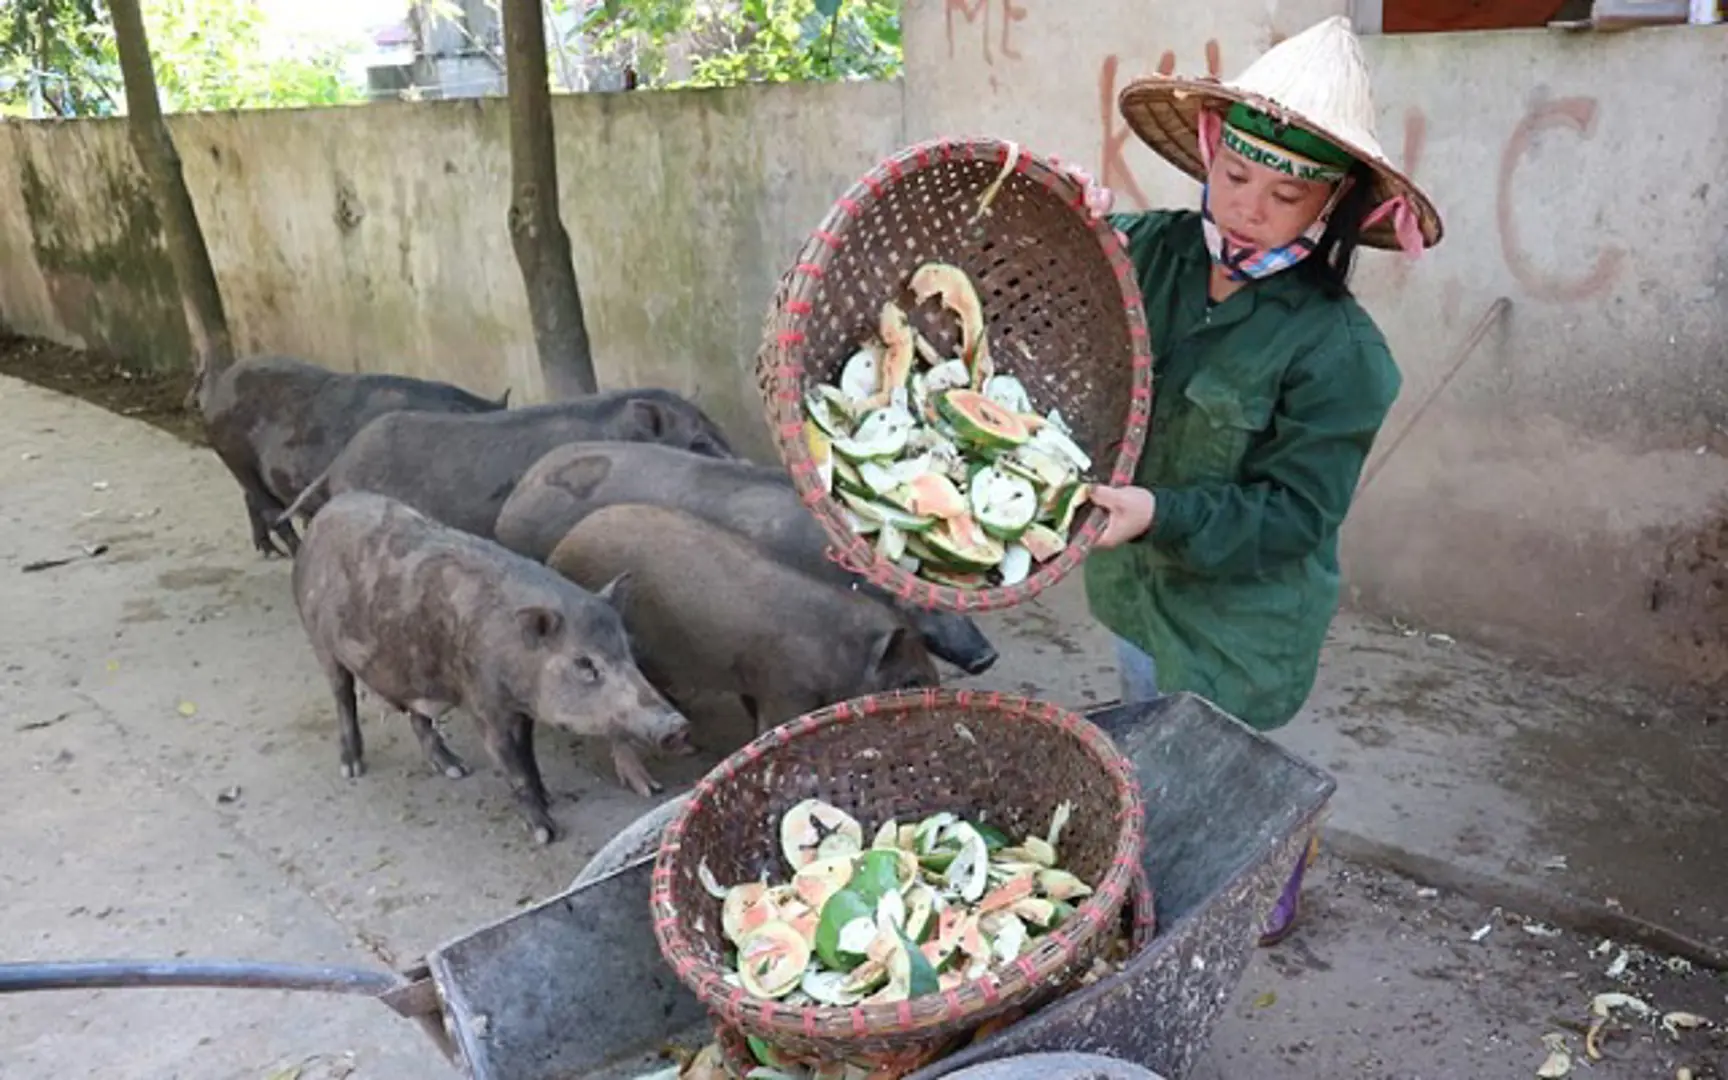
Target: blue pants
1138, 673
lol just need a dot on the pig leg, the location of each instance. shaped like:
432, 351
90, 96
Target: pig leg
438, 754
631, 772
353, 749
512, 745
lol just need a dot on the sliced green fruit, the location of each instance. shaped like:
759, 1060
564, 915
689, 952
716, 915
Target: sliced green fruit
879, 873
949, 375
828, 987
994, 839
821, 879
859, 378
747, 907
920, 975
809, 825
882, 513
837, 944
960, 543
969, 873
763, 1052
1002, 503
847, 478
980, 421
887, 837
866, 977
930, 495
920, 912
880, 435
1041, 541
890, 543
1008, 392
772, 959
1046, 469
1062, 885
1066, 504
1016, 565
821, 448
1035, 911
831, 415
1054, 441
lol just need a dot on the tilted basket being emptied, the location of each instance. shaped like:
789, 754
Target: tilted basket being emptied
929, 231
1001, 761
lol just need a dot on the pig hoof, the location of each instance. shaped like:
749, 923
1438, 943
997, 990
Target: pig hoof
542, 835
455, 772
352, 770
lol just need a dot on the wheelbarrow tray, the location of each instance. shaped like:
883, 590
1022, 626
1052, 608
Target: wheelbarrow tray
576, 986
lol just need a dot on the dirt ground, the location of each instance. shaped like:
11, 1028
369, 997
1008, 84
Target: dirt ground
173, 790
154, 397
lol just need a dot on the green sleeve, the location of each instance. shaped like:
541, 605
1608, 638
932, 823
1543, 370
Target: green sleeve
1297, 485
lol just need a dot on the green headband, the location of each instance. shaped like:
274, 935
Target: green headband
1257, 137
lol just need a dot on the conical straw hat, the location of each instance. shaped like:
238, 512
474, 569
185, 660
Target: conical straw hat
1317, 80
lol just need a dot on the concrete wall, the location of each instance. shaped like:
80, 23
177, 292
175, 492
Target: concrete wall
1563, 495
374, 237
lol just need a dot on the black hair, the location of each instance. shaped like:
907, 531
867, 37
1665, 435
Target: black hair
1334, 257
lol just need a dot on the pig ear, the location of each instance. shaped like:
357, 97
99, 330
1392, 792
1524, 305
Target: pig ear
540, 623
617, 591
504, 402
649, 415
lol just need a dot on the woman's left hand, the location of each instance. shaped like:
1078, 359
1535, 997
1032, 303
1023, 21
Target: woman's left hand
1130, 510
1099, 199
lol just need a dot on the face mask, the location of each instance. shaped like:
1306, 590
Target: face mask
1242, 263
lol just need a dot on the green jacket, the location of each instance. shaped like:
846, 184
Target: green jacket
1264, 409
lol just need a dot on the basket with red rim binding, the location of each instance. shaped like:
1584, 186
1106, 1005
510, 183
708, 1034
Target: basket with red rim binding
1001, 761
963, 283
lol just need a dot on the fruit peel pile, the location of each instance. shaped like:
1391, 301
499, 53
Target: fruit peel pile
926, 907
945, 460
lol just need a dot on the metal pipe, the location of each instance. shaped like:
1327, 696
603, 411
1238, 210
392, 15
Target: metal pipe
1495, 310
242, 974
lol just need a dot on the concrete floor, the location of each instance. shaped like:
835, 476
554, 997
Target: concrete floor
174, 790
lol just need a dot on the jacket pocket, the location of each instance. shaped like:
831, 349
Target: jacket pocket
1221, 423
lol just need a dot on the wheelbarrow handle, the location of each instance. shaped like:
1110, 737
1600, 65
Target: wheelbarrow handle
243, 974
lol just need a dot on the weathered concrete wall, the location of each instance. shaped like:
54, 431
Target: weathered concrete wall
374, 238
1564, 494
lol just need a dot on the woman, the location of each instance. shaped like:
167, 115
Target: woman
1219, 568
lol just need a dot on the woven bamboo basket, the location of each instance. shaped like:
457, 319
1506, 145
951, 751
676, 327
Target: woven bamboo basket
997, 759
1137, 921
1062, 313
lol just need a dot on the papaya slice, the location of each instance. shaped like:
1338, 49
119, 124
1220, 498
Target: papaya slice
950, 283
980, 421
772, 959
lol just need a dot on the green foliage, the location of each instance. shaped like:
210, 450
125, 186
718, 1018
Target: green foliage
63, 47
207, 54
739, 41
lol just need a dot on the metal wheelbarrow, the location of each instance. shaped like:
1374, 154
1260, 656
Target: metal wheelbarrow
1228, 812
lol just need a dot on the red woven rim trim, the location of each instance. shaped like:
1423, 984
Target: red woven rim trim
1028, 976
783, 400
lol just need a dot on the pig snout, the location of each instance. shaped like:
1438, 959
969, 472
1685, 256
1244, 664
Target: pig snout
673, 734
627, 705
956, 639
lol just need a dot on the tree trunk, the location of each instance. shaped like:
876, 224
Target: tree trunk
536, 230
200, 297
